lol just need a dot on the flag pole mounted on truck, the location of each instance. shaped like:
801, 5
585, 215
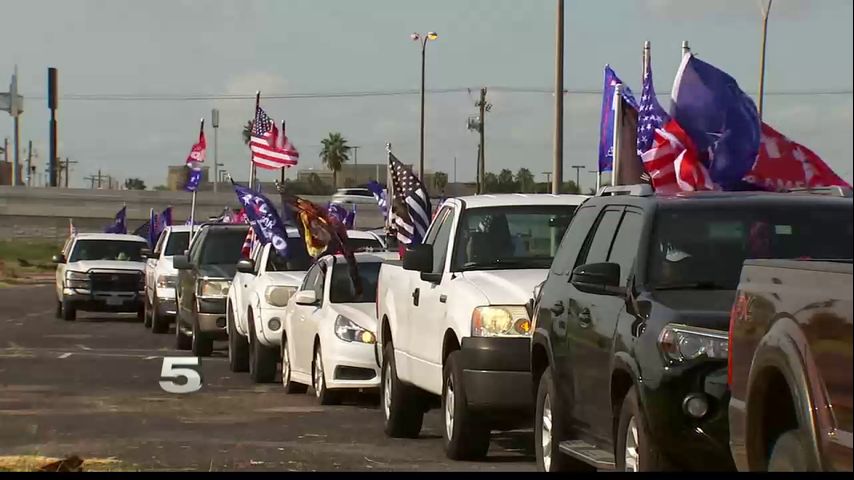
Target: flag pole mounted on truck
195, 190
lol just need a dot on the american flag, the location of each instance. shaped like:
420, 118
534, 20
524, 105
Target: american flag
673, 163
268, 151
411, 203
249, 244
650, 114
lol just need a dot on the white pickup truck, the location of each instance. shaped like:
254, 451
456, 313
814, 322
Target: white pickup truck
455, 317
256, 306
161, 277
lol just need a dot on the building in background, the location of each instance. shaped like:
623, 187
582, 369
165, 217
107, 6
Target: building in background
5, 173
177, 175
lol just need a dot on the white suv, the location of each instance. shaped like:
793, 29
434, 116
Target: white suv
161, 276
100, 272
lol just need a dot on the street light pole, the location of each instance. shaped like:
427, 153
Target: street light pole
557, 167
765, 12
578, 169
215, 123
423, 39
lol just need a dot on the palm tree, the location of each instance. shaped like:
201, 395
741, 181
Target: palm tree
334, 154
247, 132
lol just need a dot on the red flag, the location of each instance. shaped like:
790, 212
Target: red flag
783, 164
673, 164
197, 153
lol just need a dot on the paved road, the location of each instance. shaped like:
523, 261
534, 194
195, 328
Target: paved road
90, 388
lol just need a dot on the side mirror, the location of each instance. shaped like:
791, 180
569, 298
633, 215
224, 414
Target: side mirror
246, 265
306, 297
58, 258
599, 278
145, 252
419, 259
181, 262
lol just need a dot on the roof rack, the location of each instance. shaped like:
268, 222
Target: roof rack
835, 190
639, 190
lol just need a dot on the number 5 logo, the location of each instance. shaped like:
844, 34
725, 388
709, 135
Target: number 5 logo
170, 370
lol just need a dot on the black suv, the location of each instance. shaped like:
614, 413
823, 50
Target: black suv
204, 277
629, 350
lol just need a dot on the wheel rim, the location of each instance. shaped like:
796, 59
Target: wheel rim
387, 392
286, 365
546, 433
449, 407
632, 455
318, 375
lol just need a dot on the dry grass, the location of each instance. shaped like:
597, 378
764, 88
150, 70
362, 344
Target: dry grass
31, 463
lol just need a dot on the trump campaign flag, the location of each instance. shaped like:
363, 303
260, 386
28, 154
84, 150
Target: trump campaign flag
194, 162
119, 225
263, 219
721, 120
606, 125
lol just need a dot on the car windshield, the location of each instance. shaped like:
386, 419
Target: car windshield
342, 290
705, 248
299, 261
510, 237
365, 244
118, 250
177, 244
222, 246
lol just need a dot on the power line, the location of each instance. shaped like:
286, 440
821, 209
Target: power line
127, 97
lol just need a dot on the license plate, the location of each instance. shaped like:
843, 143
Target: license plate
114, 301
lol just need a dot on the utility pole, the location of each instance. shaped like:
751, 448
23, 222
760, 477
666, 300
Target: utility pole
29, 162
765, 13
99, 178
67, 169
6, 149
455, 169
481, 130
52, 88
578, 169
557, 167
548, 179
215, 123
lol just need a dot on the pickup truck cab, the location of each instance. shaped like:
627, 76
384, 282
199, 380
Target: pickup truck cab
161, 277
100, 272
790, 372
256, 306
455, 316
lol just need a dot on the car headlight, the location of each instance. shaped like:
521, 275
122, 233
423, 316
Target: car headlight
681, 343
278, 296
76, 279
167, 281
349, 331
213, 288
500, 321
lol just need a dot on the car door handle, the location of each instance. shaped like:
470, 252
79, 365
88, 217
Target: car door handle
443, 298
416, 295
584, 318
557, 308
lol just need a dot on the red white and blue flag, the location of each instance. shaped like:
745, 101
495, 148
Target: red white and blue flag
673, 164
268, 150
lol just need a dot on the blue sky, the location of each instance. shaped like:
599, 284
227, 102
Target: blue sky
180, 47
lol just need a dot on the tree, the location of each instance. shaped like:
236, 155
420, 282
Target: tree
570, 187
335, 154
440, 181
160, 188
525, 180
247, 132
134, 184
506, 183
490, 183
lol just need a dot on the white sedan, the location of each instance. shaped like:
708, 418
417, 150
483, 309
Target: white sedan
329, 336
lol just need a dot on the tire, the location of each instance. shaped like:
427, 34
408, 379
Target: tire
790, 454
147, 314
238, 347
69, 313
182, 341
200, 344
402, 411
647, 456
159, 324
318, 377
290, 387
58, 312
262, 360
466, 436
550, 414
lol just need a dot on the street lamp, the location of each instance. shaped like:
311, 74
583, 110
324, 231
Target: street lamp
416, 37
215, 123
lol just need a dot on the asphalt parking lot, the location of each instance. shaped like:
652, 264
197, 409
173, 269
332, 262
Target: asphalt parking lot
91, 388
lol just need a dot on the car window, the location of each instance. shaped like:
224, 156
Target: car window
364, 244
442, 240
510, 237
341, 286
196, 245
158, 247
599, 244
625, 247
573, 240
177, 243
298, 261
310, 278
222, 246
435, 224
320, 281
116, 250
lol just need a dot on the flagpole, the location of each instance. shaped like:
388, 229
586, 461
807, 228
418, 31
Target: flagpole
647, 47
389, 188
283, 144
618, 127
765, 13
251, 163
685, 48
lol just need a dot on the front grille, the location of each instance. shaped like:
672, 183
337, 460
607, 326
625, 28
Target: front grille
115, 281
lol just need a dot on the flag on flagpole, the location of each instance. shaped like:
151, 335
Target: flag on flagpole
194, 164
606, 125
268, 151
263, 219
381, 195
411, 203
119, 225
672, 162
